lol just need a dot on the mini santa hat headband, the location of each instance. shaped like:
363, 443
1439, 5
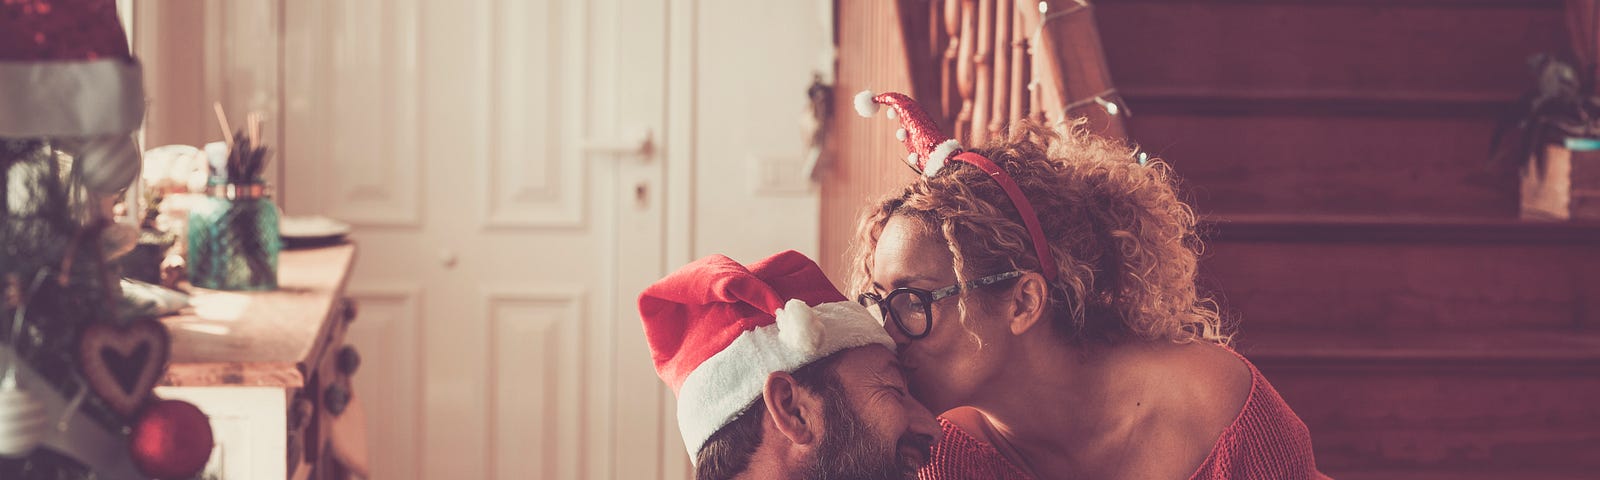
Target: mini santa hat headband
931, 150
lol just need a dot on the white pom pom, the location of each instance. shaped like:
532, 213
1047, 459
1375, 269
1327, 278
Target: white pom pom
864, 104
911, 160
892, 114
939, 155
900, 134
798, 327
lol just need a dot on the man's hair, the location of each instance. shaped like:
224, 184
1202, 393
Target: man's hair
727, 453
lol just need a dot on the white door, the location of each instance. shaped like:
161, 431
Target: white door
488, 154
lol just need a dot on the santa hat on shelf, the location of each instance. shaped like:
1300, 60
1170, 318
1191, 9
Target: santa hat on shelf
929, 147
717, 329
65, 73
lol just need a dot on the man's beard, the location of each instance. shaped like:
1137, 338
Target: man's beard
851, 451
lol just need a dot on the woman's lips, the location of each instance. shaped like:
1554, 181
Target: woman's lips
906, 367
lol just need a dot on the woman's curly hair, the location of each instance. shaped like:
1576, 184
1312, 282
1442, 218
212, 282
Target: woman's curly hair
1125, 246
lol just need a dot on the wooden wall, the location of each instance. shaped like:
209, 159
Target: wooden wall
873, 55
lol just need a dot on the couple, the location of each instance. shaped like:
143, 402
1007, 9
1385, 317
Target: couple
1038, 292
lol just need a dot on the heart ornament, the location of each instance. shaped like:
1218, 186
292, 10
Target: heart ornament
124, 363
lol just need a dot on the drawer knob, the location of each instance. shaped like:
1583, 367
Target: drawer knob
336, 398
301, 412
349, 310
349, 360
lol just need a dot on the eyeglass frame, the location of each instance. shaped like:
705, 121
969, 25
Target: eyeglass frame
929, 296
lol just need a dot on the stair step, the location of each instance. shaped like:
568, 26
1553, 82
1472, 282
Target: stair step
1547, 277
1427, 402
1445, 474
1393, 229
1275, 107
1488, 348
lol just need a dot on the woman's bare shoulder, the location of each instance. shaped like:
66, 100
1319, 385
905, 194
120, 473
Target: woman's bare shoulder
1198, 390
970, 421
1208, 388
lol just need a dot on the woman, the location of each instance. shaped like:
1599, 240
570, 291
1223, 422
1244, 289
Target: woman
1092, 357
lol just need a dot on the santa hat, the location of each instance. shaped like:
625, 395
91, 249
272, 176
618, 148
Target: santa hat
717, 329
65, 73
929, 147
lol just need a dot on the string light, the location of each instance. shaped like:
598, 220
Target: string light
1111, 107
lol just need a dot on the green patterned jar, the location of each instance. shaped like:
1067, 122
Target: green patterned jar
233, 239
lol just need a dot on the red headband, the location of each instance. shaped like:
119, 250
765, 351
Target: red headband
931, 149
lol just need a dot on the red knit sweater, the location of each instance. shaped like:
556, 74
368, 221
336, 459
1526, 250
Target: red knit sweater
1266, 441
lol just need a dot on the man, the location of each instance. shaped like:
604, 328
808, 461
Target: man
779, 376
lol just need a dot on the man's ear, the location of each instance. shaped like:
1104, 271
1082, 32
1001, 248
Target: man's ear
1028, 299
795, 411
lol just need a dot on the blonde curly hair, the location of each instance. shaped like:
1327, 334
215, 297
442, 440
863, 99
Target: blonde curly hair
1125, 246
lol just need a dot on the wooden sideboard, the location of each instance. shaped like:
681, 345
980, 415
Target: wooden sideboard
270, 368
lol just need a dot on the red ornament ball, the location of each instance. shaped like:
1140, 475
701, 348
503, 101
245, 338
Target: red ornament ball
171, 439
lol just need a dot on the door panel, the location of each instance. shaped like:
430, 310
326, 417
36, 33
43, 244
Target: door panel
502, 237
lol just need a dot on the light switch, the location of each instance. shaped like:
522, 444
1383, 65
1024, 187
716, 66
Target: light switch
779, 175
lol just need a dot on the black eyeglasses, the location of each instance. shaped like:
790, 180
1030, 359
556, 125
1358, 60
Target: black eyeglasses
911, 309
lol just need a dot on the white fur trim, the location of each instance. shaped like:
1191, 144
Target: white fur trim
900, 134
864, 104
939, 156
717, 391
70, 99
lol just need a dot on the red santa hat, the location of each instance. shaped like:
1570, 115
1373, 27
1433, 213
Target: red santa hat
65, 73
717, 328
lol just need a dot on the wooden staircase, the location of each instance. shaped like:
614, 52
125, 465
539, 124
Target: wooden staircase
1423, 348
1357, 232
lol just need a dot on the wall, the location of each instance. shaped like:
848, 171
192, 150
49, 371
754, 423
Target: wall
426, 126
753, 64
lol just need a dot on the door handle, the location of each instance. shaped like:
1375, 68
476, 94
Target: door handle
641, 144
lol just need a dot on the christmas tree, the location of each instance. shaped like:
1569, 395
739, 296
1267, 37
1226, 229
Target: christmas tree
76, 378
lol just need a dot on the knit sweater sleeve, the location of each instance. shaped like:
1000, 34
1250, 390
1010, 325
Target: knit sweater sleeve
960, 456
1266, 440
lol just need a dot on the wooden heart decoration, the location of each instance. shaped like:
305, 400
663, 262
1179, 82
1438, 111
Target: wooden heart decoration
123, 364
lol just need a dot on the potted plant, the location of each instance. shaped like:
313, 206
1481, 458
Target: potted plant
1555, 118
